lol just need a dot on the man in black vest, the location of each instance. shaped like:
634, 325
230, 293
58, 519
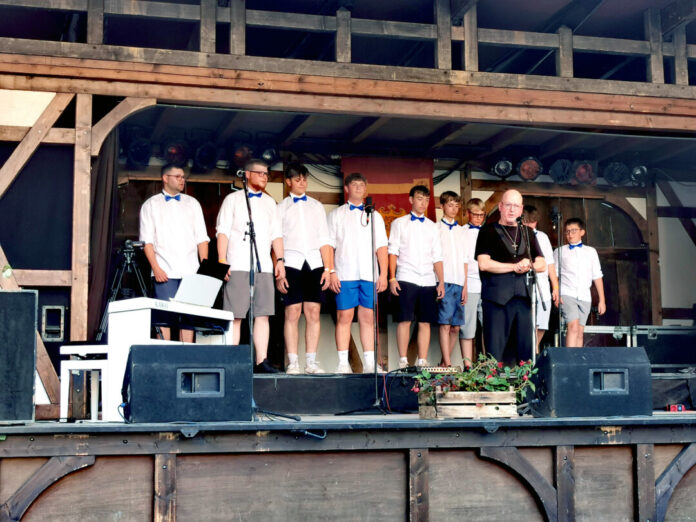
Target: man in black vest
504, 262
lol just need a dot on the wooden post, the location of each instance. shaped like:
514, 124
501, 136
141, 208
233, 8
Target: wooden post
471, 62
565, 482
465, 189
418, 485
681, 69
207, 26
238, 27
644, 482
443, 45
653, 254
564, 55
95, 22
164, 509
653, 33
81, 218
343, 36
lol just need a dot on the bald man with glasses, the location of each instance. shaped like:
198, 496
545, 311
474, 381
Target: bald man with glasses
504, 262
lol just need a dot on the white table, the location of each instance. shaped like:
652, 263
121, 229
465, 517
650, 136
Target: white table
130, 322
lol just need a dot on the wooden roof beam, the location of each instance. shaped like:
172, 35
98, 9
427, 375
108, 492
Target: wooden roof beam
614, 148
459, 9
674, 201
373, 125
444, 135
296, 128
560, 144
663, 153
227, 129
119, 113
677, 14
500, 141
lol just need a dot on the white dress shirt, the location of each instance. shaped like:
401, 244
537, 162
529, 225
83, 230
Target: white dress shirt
473, 279
175, 229
547, 252
580, 268
417, 245
232, 221
351, 236
453, 252
304, 231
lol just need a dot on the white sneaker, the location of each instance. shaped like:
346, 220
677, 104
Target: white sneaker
368, 368
313, 368
293, 369
421, 362
403, 363
343, 367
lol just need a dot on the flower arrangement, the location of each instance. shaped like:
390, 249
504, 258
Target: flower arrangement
485, 375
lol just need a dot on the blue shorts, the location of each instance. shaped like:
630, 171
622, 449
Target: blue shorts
354, 293
165, 291
450, 307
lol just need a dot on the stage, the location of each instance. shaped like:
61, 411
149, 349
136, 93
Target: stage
352, 467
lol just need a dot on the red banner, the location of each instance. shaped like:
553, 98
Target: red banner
390, 179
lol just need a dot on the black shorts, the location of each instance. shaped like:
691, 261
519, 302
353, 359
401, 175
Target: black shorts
304, 285
417, 303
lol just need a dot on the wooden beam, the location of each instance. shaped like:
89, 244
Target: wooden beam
95, 22
25, 149
460, 8
644, 480
668, 481
166, 117
674, 201
226, 129
444, 135
564, 468
653, 33
54, 136
465, 176
81, 218
653, 253
343, 36
621, 202
564, 55
677, 212
295, 129
44, 366
206, 28
561, 143
614, 149
419, 485
62, 5
679, 314
666, 152
238, 24
164, 509
369, 130
555, 190
43, 277
119, 113
681, 64
443, 43
471, 40
677, 14
498, 142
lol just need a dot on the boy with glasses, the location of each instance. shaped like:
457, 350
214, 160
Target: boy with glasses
579, 269
476, 215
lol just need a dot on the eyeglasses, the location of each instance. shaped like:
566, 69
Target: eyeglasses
511, 206
260, 172
476, 214
176, 177
572, 230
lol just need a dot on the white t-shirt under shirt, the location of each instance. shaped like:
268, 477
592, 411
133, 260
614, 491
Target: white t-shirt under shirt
305, 231
175, 229
580, 268
350, 234
417, 245
232, 221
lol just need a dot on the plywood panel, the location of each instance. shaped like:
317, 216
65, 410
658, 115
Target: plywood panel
299, 486
464, 487
682, 505
603, 484
115, 488
14, 472
663, 455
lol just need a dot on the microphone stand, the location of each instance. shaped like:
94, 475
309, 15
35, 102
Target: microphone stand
556, 220
532, 289
369, 210
253, 252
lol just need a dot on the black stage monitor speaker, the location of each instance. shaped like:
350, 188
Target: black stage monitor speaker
17, 355
190, 383
592, 382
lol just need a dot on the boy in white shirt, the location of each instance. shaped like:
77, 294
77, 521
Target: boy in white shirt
351, 278
416, 275
454, 265
307, 264
579, 269
476, 215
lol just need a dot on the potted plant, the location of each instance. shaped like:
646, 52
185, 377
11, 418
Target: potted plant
487, 389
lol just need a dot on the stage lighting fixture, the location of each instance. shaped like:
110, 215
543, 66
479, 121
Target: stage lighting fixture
269, 154
175, 152
240, 154
502, 169
584, 172
530, 168
138, 153
617, 173
639, 174
560, 171
205, 157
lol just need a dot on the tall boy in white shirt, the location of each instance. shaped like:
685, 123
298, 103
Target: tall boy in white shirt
307, 264
415, 274
579, 269
454, 263
351, 278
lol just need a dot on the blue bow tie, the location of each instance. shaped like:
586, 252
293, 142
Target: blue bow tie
579, 245
359, 207
477, 227
414, 218
255, 195
451, 226
168, 197
301, 198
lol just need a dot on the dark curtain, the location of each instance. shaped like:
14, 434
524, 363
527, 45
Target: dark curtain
104, 208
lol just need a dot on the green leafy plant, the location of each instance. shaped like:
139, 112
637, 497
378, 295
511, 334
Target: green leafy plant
486, 374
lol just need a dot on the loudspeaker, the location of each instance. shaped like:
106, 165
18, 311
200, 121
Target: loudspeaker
192, 383
17, 355
592, 382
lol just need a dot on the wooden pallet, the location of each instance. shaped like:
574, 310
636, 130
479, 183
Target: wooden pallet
470, 405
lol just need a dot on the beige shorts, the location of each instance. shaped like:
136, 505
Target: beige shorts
236, 294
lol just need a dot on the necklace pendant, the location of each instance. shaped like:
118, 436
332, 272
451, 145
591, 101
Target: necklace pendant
514, 245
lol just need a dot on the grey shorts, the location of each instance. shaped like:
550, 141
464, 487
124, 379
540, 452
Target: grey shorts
236, 294
472, 315
573, 309
543, 316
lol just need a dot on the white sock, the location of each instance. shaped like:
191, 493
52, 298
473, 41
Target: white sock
403, 360
343, 356
369, 359
422, 362
310, 358
292, 358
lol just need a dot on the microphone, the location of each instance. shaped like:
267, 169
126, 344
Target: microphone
369, 208
555, 215
519, 221
240, 173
